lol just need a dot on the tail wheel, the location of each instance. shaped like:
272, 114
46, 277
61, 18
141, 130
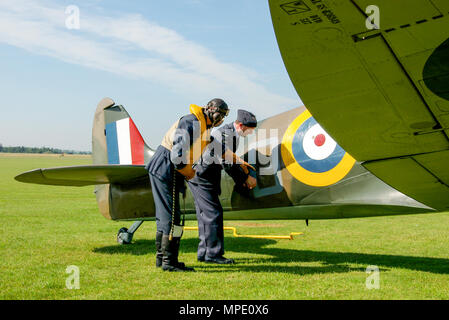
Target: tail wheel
124, 237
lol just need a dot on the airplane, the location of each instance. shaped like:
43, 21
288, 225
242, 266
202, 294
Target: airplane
363, 88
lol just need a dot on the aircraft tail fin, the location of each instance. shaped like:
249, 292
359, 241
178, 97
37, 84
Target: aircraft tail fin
115, 137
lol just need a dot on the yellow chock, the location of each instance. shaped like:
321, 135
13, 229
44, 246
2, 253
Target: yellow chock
235, 234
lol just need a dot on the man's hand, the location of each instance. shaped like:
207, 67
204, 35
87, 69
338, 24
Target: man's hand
231, 156
187, 172
245, 165
251, 182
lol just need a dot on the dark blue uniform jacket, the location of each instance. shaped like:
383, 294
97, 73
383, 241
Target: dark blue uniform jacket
208, 169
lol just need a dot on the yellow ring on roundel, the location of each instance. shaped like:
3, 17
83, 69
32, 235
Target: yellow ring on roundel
305, 176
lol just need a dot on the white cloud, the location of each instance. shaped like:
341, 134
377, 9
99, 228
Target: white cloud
130, 45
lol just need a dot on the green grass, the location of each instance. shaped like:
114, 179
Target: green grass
44, 229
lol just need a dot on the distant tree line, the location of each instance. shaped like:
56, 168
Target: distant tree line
23, 149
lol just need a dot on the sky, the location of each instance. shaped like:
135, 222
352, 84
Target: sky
153, 57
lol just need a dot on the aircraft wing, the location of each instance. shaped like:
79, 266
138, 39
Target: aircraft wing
84, 175
377, 79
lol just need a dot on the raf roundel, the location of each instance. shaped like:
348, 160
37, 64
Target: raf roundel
317, 144
311, 155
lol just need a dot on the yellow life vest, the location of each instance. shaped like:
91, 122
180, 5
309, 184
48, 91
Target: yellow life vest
200, 142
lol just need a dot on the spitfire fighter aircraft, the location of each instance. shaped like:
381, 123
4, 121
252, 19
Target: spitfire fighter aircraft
382, 93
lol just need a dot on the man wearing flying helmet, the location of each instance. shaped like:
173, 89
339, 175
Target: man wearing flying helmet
170, 165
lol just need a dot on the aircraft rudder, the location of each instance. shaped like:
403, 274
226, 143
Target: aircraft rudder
115, 137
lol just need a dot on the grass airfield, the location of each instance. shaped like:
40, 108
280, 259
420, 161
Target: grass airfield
45, 229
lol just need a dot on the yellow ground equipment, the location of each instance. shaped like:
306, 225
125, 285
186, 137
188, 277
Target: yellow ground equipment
235, 234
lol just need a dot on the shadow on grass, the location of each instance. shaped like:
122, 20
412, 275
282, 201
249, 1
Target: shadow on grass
331, 261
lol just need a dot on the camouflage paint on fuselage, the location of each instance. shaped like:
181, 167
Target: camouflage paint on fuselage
287, 151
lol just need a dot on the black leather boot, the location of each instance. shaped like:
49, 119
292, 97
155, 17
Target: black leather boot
159, 249
219, 260
170, 250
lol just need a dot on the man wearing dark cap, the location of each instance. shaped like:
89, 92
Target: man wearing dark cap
205, 186
170, 166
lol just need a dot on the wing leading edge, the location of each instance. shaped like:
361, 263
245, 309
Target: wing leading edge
84, 175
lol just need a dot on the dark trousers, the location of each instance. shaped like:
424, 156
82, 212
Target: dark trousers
163, 200
209, 213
